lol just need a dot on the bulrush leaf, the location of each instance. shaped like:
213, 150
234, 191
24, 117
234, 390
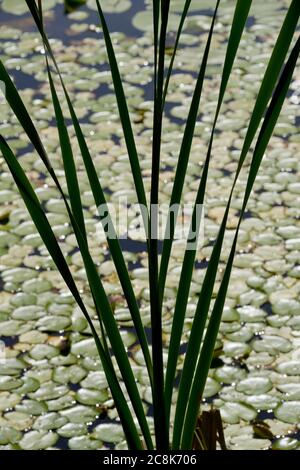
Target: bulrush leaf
238, 23
124, 114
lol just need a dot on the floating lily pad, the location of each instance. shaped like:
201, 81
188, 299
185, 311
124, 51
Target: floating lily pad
91, 397
234, 412
86, 347
9, 435
229, 375
49, 391
250, 314
262, 402
16, 7
212, 387
31, 407
18, 420
291, 390
8, 400
43, 351
9, 383
95, 380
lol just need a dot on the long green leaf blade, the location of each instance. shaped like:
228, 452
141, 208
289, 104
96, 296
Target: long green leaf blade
175, 199
68, 157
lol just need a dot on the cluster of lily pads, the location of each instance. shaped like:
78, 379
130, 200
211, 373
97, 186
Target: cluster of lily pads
53, 392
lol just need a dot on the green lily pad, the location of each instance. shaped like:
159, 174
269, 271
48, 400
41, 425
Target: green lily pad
291, 390
233, 412
212, 387
53, 323
16, 7
285, 443
33, 337
288, 412
28, 312
95, 380
31, 407
38, 440
73, 374
79, 414
49, 421
43, 351
84, 443
61, 403
86, 347
254, 385
229, 374
49, 391
72, 430
29, 385
108, 432
251, 314
9, 383
8, 400
9, 435
18, 420
235, 349
272, 345
262, 402
289, 368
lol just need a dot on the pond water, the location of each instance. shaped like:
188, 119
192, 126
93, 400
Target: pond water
53, 393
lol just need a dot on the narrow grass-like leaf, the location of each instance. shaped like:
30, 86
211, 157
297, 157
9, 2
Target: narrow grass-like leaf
41, 222
215, 319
